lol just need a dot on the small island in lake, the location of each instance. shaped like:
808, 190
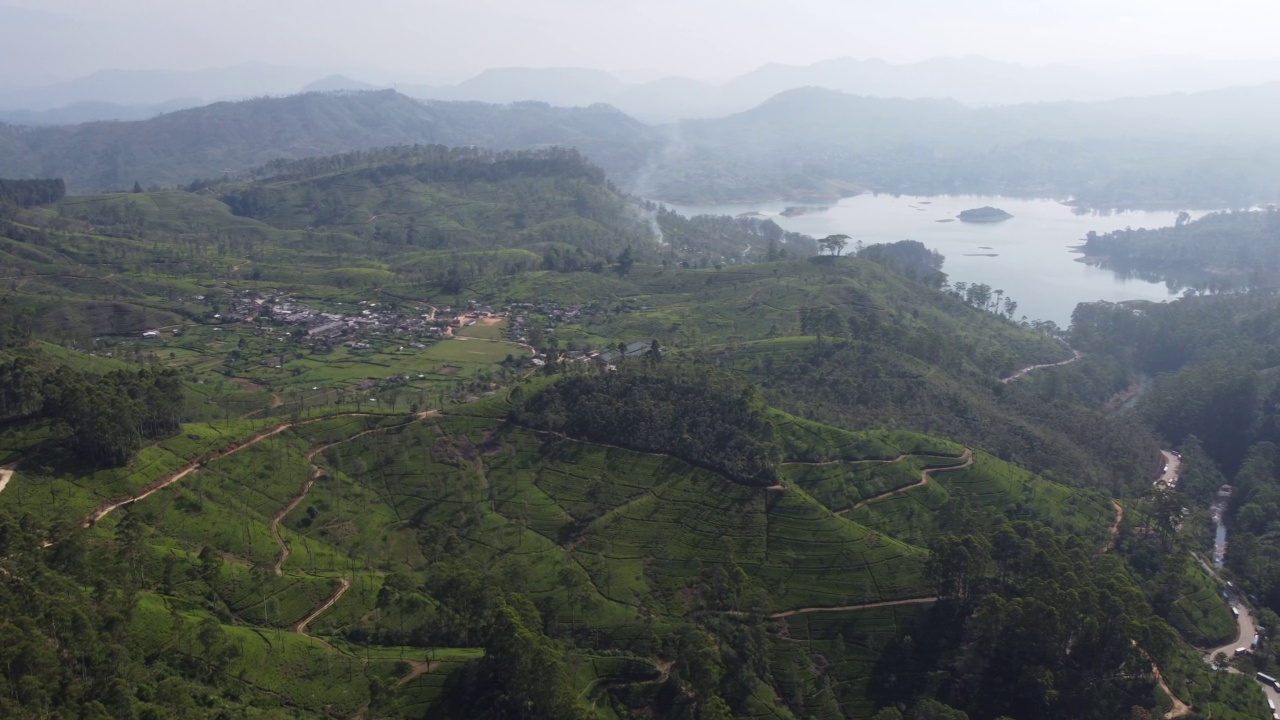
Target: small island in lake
984, 215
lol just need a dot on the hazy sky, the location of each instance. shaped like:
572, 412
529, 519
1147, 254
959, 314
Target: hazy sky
434, 40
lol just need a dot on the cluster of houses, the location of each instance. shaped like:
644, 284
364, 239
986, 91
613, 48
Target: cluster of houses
423, 324
547, 316
415, 326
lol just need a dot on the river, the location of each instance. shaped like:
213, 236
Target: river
1027, 256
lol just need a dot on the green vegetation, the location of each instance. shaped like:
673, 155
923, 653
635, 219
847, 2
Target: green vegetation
1218, 252
421, 432
737, 239
596, 538
29, 193
1213, 359
704, 419
103, 418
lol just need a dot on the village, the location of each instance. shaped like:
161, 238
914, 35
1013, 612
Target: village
419, 324
371, 329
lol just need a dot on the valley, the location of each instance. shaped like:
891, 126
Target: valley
419, 431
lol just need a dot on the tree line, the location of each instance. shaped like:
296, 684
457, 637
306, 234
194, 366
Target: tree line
1238, 246
104, 418
29, 193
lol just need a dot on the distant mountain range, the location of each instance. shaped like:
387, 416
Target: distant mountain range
234, 137
974, 81
156, 87
1204, 150
971, 80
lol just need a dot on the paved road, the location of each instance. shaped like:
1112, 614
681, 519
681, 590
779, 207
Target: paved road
1246, 626
1172, 465
1245, 629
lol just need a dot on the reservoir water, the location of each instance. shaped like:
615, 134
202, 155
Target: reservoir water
1027, 256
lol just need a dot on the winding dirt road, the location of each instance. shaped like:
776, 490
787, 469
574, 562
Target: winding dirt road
418, 670
110, 506
1180, 708
107, 508
1075, 355
924, 480
846, 608
301, 627
316, 472
275, 519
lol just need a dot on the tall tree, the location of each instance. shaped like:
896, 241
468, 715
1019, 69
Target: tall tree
834, 244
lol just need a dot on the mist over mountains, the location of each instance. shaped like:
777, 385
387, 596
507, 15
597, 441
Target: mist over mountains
231, 138
1212, 149
972, 80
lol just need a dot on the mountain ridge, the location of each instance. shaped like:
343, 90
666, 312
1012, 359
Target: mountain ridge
975, 80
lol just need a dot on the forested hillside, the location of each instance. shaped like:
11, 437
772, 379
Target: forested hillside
1218, 252
1207, 370
1213, 359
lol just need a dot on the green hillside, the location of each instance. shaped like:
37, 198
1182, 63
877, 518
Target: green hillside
610, 545
354, 561
449, 433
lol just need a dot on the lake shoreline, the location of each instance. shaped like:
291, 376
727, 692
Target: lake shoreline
1035, 253
834, 196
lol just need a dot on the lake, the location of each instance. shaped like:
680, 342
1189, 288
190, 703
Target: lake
1027, 256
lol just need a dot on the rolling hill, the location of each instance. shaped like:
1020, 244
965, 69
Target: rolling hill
234, 137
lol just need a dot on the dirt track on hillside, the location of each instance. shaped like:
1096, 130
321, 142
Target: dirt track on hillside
1076, 355
924, 480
